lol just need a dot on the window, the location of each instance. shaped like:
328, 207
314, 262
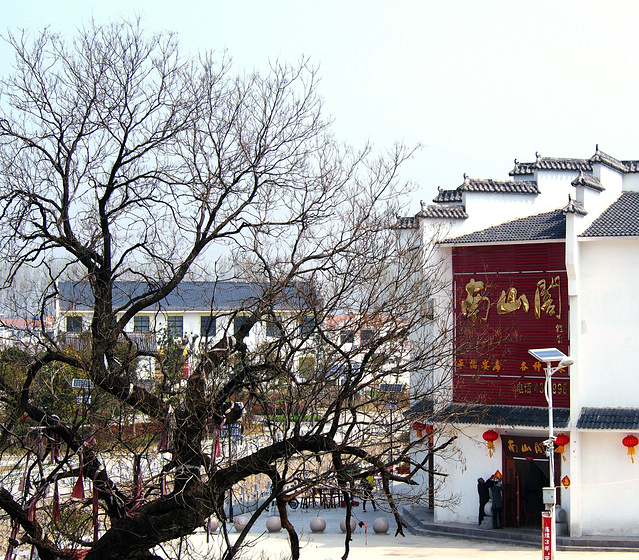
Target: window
273, 328
346, 337
141, 323
174, 325
239, 322
307, 325
207, 325
366, 336
74, 323
430, 309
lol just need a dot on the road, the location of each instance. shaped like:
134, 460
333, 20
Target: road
370, 546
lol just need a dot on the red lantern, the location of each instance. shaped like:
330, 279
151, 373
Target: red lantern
630, 442
419, 427
560, 442
490, 436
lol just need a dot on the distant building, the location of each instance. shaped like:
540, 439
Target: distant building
549, 258
195, 314
23, 333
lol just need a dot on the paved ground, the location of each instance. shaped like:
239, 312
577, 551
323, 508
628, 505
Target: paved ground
370, 546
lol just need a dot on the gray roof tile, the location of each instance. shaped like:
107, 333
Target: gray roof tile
493, 186
620, 219
549, 225
553, 164
574, 207
407, 222
574, 164
609, 419
187, 296
587, 180
448, 196
500, 415
453, 212
609, 161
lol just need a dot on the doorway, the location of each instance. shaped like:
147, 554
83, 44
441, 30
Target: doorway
525, 474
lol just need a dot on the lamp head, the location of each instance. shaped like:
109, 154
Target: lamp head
565, 362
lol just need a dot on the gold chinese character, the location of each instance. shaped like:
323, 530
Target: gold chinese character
537, 366
544, 301
497, 366
512, 447
485, 365
460, 363
525, 447
473, 364
471, 305
509, 302
523, 366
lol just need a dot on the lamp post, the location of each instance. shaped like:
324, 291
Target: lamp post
549, 535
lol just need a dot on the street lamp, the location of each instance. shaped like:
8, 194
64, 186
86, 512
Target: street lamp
549, 535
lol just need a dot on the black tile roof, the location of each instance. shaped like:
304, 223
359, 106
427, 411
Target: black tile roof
448, 196
574, 164
609, 419
549, 225
453, 212
407, 222
609, 161
620, 219
587, 180
500, 415
551, 163
574, 207
493, 186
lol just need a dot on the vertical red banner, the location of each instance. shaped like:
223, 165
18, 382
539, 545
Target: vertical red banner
546, 535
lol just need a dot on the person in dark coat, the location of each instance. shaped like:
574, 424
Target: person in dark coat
497, 492
483, 489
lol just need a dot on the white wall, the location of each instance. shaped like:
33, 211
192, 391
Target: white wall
610, 485
609, 329
456, 498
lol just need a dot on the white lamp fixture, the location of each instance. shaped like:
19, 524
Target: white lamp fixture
550, 355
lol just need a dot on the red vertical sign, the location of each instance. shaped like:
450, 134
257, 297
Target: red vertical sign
546, 535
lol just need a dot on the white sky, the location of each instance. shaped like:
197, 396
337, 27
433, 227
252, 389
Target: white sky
478, 83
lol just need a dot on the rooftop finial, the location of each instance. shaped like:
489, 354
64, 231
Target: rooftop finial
596, 148
536, 155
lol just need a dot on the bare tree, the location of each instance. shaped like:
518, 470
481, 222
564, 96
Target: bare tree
124, 163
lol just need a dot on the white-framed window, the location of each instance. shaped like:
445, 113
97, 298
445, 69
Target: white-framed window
366, 335
273, 327
208, 325
74, 323
141, 323
346, 336
175, 326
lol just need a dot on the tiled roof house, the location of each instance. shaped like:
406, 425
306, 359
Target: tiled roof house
550, 256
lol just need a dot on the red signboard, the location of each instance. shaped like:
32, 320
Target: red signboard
509, 299
546, 535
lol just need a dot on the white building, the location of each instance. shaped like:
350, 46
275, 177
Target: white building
546, 259
194, 314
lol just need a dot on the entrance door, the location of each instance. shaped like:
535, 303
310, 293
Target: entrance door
523, 483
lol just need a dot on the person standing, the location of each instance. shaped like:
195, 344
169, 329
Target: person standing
483, 489
497, 492
367, 486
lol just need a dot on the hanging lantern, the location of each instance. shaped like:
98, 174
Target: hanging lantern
420, 428
490, 436
560, 442
631, 442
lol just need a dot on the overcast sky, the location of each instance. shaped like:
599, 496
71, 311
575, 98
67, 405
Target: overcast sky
476, 83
